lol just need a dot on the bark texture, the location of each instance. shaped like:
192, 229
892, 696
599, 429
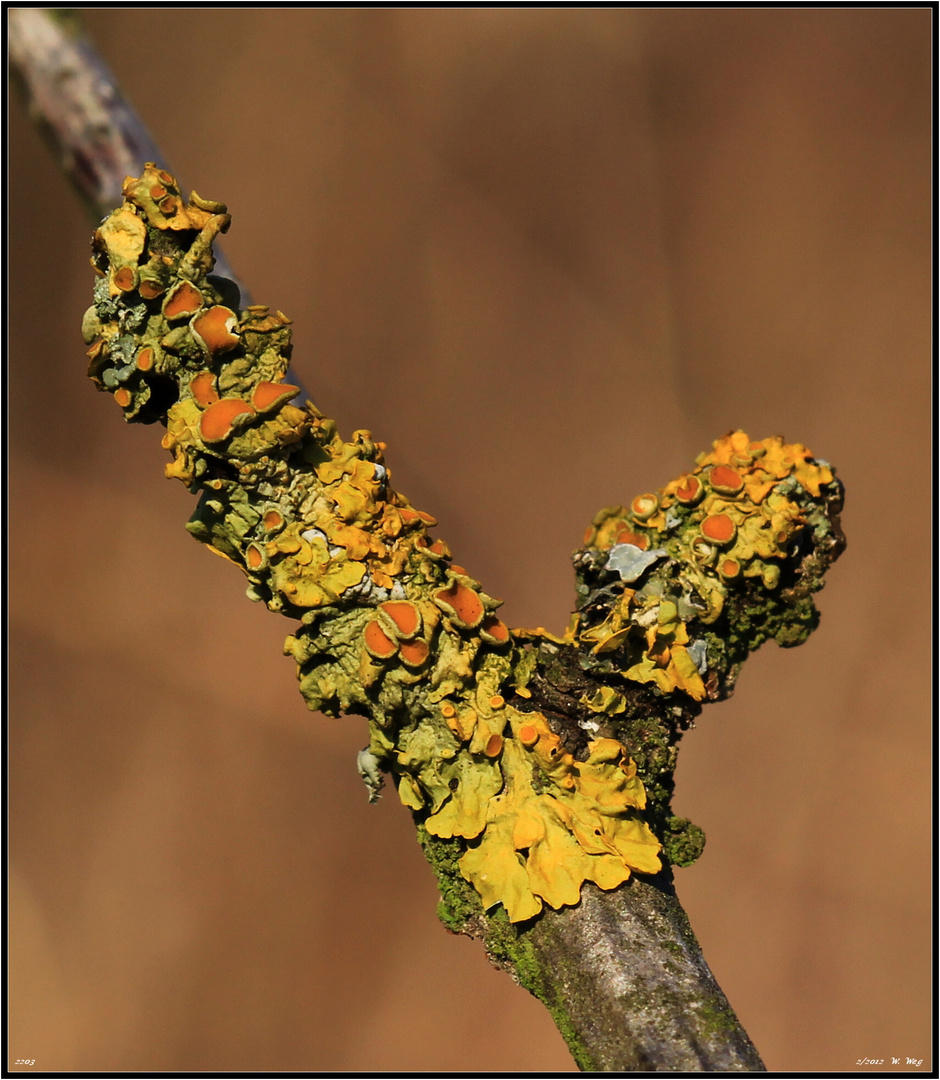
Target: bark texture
93, 131
647, 1000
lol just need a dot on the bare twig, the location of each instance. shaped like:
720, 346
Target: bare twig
94, 132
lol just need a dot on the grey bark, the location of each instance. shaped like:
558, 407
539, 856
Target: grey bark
94, 132
638, 992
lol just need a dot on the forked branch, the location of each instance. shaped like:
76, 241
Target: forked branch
538, 767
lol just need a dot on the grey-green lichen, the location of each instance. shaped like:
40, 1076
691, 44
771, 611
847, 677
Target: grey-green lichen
532, 762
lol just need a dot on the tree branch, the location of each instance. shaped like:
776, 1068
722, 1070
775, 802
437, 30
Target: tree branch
95, 134
647, 1001
539, 769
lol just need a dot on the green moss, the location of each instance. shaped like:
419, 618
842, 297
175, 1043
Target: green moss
752, 619
459, 908
683, 842
507, 944
652, 746
717, 1019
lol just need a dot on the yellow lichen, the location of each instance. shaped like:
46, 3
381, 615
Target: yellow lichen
390, 627
542, 846
732, 518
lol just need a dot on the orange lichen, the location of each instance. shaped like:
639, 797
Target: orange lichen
183, 302
494, 630
125, 279
719, 528
202, 387
540, 846
689, 490
494, 746
214, 327
389, 627
378, 642
269, 395
627, 536
217, 422
725, 480
150, 289
414, 653
357, 542
644, 506
404, 615
461, 603
528, 735
122, 236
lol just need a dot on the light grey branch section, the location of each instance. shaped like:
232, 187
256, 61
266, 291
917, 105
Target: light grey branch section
95, 134
638, 994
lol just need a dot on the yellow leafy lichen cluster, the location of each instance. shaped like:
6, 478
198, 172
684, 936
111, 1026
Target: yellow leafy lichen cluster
543, 845
471, 764
389, 625
738, 515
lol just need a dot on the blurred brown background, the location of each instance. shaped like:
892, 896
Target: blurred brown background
548, 256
